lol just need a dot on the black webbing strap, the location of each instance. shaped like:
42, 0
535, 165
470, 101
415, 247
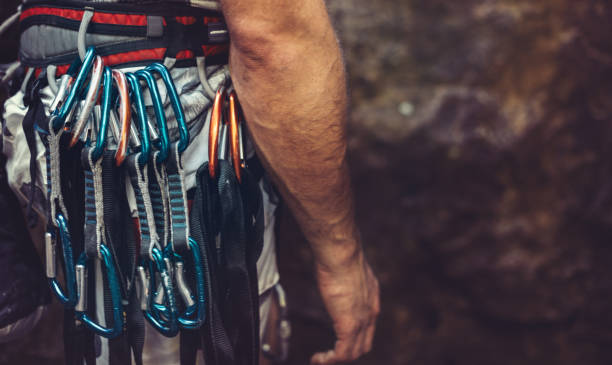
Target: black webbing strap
78, 340
188, 349
242, 296
140, 183
118, 221
254, 222
135, 327
34, 115
234, 211
120, 241
215, 340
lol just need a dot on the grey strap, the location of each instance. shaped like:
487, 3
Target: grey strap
54, 186
178, 201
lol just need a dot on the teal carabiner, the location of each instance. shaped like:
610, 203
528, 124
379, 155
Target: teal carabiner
115, 291
145, 146
170, 257
194, 315
106, 105
58, 117
159, 113
166, 326
69, 296
176, 103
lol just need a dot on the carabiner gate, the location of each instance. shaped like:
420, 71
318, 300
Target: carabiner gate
176, 103
213, 136
113, 283
58, 117
142, 118
90, 100
159, 113
166, 326
106, 104
68, 297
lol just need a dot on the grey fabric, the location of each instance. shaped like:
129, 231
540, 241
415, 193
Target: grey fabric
155, 26
42, 41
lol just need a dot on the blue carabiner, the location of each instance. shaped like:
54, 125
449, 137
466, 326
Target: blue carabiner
115, 291
169, 257
166, 326
68, 299
145, 147
58, 118
175, 101
193, 317
106, 104
159, 113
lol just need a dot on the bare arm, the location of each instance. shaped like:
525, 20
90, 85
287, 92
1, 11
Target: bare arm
288, 72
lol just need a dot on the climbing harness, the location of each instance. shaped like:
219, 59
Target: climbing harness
137, 242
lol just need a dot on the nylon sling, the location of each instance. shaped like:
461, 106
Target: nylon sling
122, 245
230, 334
78, 342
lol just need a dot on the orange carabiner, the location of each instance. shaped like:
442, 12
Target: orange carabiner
213, 135
125, 116
235, 141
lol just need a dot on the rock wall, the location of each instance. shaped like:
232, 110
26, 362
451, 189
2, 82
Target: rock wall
480, 148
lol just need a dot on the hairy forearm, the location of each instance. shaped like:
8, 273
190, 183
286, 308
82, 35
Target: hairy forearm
288, 72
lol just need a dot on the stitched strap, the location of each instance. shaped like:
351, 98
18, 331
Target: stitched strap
94, 207
178, 202
158, 181
54, 188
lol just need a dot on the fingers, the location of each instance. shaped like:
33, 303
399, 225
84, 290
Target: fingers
322, 358
347, 349
354, 313
343, 352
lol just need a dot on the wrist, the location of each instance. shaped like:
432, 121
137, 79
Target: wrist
339, 257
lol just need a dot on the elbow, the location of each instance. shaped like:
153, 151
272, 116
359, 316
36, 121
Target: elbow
268, 41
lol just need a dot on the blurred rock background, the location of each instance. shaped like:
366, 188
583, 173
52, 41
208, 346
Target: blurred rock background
481, 152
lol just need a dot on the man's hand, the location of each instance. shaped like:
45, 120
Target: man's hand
351, 296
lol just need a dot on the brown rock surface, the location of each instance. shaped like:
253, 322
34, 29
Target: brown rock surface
480, 152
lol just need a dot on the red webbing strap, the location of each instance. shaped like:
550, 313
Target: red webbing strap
123, 19
145, 55
105, 17
99, 16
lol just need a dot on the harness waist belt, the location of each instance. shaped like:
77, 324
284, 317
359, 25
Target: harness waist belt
124, 34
